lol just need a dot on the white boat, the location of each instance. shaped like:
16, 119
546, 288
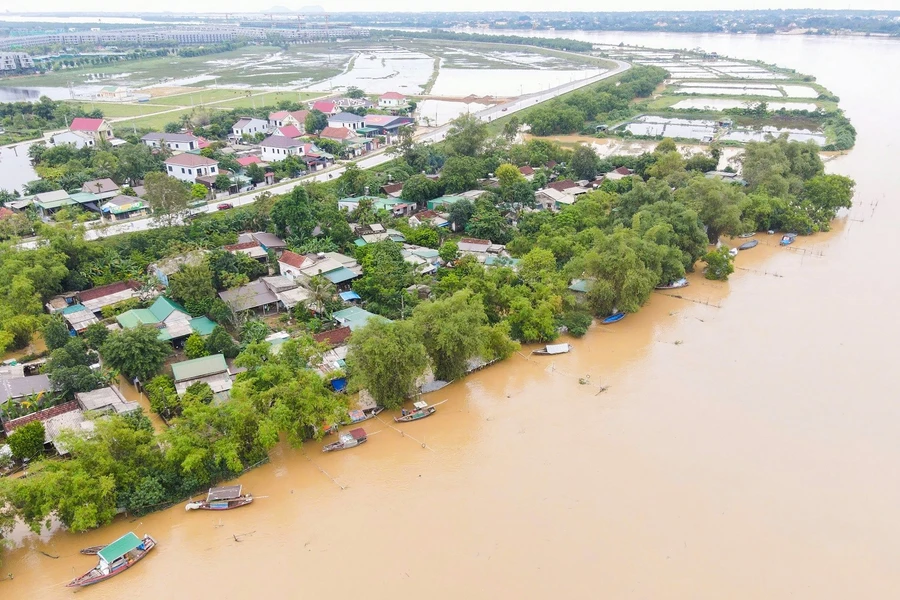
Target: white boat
674, 285
553, 349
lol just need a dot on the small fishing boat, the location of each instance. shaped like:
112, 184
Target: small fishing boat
749, 234
733, 252
614, 318
422, 410
354, 437
788, 239
118, 556
221, 498
91, 550
748, 245
358, 416
553, 349
674, 285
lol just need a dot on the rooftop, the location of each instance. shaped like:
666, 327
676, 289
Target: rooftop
355, 317
85, 124
100, 186
191, 160
199, 367
41, 415
335, 337
280, 141
253, 295
293, 259
20, 387
170, 137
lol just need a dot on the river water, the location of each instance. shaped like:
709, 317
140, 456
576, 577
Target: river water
746, 447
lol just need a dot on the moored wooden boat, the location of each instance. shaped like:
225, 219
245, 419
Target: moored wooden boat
788, 239
748, 245
221, 498
91, 550
351, 439
749, 234
118, 556
553, 349
358, 416
674, 285
613, 318
422, 410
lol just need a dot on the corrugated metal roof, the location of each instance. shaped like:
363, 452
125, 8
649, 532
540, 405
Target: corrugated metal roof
199, 367
120, 547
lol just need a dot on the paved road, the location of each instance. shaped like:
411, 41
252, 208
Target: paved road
433, 135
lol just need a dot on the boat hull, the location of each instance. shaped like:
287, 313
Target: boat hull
232, 504
416, 416
95, 576
613, 318
336, 446
674, 285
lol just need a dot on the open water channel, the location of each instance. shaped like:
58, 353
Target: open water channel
747, 446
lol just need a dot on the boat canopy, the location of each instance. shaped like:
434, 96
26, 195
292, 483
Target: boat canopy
223, 493
358, 433
557, 348
420, 404
120, 547
346, 438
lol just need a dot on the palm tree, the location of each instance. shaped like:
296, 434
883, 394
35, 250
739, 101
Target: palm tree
321, 290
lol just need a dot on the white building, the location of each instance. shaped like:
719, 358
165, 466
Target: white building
346, 120
279, 147
183, 142
249, 126
391, 100
79, 139
187, 167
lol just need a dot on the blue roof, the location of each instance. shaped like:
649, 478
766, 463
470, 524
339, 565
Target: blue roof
351, 295
73, 308
355, 317
340, 275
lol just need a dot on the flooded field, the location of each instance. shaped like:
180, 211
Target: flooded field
15, 168
504, 82
675, 128
742, 450
439, 112
761, 133
725, 103
730, 91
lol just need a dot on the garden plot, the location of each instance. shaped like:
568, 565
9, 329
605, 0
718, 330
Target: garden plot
726, 103
800, 91
674, 128
730, 91
760, 135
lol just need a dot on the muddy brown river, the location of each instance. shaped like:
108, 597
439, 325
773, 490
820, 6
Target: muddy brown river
747, 446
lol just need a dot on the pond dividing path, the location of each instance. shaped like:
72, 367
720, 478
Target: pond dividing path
746, 446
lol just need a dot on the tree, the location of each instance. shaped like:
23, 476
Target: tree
623, 272
27, 441
163, 397
386, 359
355, 93
828, 194
460, 213
195, 346
199, 191
254, 331
95, 335
585, 162
419, 189
467, 135
449, 251
219, 342
55, 332
386, 275
508, 175
294, 214
255, 173
719, 264
511, 128
717, 203
135, 160
222, 182
193, 286
453, 331
69, 369
136, 353
321, 292
461, 173
167, 196
315, 121
487, 223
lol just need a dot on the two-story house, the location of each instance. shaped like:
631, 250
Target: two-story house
391, 100
279, 147
187, 167
249, 126
346, 120
183, 142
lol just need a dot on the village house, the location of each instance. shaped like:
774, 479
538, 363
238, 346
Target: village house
334, 359
211, 370
551, 199
246, 161
255, 296
347, 120
166, 267
372, 234
385, 125
337, 268
188, 167
391, 100
78, 139
278, 147
173, 322
17, 387
103, 189
327, 107
444, 202
181, 142
48, 203
356, 318
98, 129
392, 190
338, 134
619, 173
425, 260
428, 217
250, 248
283, 118
247, 126
395, 206
96, 298
527, 171
105, 400
123, 207
482, 250
56, 419
288, 292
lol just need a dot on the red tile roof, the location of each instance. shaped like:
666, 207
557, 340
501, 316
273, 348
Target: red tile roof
476, 241
278, 116
323, 106
191, 160
426, 214
289, 131
333, 338
85, 124
241, 246
392, 96
623, 171
337, 133
392, 188
561, 186
293, 259
300, 115
107, 290
526, 170
246, 161
5, 212
41, 415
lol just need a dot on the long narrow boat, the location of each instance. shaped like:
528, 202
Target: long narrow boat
749, 234
118, 556
553, 349
353, 438
615, 318
748, 245
674, 285
422, 411
221, 498
91, 550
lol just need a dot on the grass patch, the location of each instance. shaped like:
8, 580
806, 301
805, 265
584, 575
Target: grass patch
111, 109
201, 96
268, 99
155, 122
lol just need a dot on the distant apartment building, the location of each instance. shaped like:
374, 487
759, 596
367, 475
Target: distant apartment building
15, 62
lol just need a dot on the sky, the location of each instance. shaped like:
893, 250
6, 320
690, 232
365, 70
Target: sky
464, 5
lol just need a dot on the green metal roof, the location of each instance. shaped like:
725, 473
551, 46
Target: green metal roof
136, 317
118, 548
355, 317
367, 130
203, 325
51, 204
340, 275
84, 197
199, 367
442, 201
580, 285
163, 307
